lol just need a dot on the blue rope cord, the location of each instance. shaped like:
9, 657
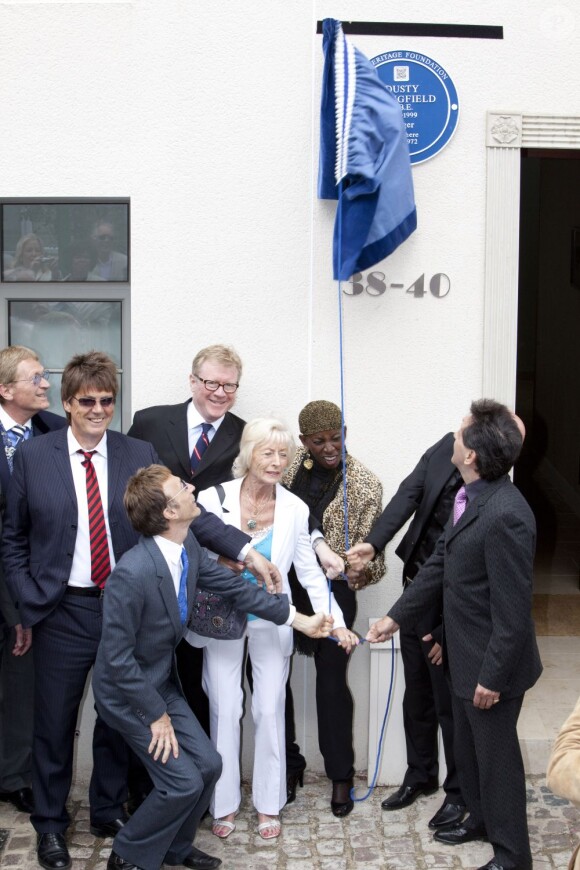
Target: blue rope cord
341, 367
345, 502
383, 728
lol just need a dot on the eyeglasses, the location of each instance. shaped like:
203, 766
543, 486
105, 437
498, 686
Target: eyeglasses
89, 402
35, 379
212, 386
184, 485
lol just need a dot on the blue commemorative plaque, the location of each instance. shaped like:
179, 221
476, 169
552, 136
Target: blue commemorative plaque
427, 97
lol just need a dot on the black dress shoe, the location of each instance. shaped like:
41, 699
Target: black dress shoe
108, 829
52, 852
491, 865
115, 862
407, 794
448, 814
341, 803
293, 779
22, 799
458, 834
199, 860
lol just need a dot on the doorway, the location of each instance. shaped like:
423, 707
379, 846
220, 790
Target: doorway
548, 379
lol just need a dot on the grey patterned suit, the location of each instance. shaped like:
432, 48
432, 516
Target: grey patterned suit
483, 566
135, 682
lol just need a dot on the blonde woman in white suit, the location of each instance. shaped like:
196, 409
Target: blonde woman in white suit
257, 504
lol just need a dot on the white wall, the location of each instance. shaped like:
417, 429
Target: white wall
206, 116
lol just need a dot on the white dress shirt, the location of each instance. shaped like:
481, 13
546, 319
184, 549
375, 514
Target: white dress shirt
171, 552
9, 423
194, 430
80, 574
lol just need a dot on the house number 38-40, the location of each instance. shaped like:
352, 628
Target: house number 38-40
375, 284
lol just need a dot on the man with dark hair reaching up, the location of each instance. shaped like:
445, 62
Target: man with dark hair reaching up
483, 569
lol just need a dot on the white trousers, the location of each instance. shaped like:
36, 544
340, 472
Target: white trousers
223, 662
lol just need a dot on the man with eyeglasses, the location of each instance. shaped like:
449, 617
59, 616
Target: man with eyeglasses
179, 434
65, 528
23, 402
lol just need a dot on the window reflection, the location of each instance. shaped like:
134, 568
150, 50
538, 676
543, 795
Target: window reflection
65, 242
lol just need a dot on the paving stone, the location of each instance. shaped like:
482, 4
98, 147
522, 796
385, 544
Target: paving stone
313, 839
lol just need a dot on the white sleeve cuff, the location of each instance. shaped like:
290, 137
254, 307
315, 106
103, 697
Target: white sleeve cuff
291, 615
244, 551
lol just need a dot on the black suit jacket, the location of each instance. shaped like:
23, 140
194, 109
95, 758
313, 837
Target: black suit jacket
43, 422
484, 566
40, 522
417, 494
165, 426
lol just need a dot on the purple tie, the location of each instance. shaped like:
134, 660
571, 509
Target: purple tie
459, 505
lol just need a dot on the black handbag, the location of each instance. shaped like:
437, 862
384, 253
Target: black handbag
213, 615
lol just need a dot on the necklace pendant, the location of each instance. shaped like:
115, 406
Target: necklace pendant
251, 524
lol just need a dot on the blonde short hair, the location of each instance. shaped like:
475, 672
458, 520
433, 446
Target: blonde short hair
262, 430
10, 359
218, 353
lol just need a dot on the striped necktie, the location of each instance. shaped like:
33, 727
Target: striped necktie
12, 440
100, 560
201, 446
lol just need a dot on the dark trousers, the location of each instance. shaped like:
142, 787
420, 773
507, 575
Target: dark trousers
16, 714
334, 706
65, 647
492, 778
164, 826
190, 668
426, 706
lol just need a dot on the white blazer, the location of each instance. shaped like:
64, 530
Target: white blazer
290, 544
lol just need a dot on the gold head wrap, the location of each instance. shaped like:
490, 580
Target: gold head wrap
319, 416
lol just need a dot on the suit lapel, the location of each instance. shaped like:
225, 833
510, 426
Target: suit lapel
231, 504
166, 586
62, 464
283, 522
178, 436
113, 467
218, 444
471, 512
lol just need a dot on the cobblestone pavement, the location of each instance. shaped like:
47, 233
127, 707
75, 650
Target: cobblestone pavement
312, 839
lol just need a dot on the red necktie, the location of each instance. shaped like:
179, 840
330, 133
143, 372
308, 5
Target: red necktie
100, 561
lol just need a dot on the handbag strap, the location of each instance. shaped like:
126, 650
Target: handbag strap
221, 495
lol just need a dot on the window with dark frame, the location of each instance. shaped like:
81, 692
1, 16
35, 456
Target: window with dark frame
64, 279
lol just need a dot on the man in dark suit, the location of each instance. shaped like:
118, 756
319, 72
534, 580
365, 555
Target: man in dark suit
147, 604
179, 434
428, 494
23, 415
65, 527
175, 430
483, 568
